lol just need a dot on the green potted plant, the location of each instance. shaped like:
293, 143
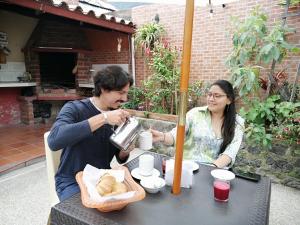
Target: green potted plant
147, 35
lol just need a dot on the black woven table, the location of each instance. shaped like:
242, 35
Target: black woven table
248, 204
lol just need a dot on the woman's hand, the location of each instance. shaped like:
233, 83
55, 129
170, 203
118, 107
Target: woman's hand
157, 135
222, 161
165, 138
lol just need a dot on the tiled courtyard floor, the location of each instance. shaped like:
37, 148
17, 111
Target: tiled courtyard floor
21, 145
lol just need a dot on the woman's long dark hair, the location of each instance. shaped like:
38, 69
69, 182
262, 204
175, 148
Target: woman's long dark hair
228, 125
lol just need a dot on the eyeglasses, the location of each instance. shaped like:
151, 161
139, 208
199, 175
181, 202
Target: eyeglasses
214, 95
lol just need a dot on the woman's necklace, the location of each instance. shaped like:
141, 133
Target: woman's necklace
216, 124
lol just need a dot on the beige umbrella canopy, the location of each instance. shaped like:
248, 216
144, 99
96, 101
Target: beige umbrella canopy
184, 81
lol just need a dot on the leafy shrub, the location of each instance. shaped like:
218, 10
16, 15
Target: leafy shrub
272, 118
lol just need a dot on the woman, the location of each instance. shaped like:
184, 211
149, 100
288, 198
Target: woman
214, 132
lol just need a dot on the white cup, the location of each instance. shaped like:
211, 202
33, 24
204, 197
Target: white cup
186, 174
146, 165
145, 140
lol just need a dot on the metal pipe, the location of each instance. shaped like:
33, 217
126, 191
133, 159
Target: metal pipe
133, 59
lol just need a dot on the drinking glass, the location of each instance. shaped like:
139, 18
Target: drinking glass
221, 190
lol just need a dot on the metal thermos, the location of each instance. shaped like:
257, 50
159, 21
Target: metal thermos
126, 133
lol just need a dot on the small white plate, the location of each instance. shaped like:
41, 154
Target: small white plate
222, 174
136, 174
194, 164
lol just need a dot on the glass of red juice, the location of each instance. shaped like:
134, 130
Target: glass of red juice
163, 165
221, 190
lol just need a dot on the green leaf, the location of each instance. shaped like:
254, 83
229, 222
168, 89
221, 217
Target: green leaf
266, 49
275, 53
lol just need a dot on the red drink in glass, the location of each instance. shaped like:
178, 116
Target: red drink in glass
221, 190
163, 166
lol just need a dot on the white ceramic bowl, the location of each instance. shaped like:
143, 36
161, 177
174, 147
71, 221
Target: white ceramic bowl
153, 184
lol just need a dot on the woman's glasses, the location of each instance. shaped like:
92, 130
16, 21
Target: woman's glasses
214, 95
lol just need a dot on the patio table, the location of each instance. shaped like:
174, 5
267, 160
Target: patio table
248, 204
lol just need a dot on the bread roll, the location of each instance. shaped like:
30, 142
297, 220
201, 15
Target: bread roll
118, 188
108, 186
105, 184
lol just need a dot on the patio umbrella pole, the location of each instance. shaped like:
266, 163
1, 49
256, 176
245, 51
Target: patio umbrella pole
184, 81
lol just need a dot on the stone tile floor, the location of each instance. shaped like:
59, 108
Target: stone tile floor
21, 145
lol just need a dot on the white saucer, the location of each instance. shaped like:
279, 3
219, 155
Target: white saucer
194, 164
222, 174
136, 173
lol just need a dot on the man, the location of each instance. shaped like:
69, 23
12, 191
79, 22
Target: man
83, 127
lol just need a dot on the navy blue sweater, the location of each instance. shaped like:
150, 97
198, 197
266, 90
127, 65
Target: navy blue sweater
71, 132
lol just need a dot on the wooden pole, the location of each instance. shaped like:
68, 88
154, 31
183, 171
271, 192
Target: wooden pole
184, 82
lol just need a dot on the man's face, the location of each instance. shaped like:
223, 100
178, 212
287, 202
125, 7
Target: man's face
113, 99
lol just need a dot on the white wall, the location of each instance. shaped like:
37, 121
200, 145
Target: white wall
18, 29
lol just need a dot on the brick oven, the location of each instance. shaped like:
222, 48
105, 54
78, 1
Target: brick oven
51, 55
65, 40
60, 56
69, 40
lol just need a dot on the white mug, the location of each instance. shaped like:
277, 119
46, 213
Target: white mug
146, 165
145, 140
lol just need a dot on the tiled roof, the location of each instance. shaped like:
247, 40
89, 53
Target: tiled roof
96, 7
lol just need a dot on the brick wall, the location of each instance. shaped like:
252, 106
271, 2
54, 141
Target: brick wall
104, 51
211, 41
85, 61
32, 64
26, 107
9, 106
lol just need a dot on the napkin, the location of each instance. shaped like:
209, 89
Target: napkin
186, 174
91, 176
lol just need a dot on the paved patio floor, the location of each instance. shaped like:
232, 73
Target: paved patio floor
25, 201
21, 145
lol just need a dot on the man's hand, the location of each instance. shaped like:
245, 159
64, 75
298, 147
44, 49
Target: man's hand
124, 154
117, 117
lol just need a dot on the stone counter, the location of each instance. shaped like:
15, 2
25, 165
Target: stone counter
17, 84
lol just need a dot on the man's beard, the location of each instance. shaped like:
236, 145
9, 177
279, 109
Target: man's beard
119, 106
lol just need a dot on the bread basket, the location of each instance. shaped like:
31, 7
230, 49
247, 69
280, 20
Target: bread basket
111, 205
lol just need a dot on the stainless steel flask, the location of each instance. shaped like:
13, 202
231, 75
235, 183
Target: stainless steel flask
126, 133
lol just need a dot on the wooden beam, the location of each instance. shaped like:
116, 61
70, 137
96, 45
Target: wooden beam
74, 15
184, 82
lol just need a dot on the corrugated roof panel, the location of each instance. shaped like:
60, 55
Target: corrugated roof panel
96, 7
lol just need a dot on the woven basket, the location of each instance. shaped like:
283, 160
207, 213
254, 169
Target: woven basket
111, 205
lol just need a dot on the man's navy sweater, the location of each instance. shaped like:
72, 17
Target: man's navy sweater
72, 133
